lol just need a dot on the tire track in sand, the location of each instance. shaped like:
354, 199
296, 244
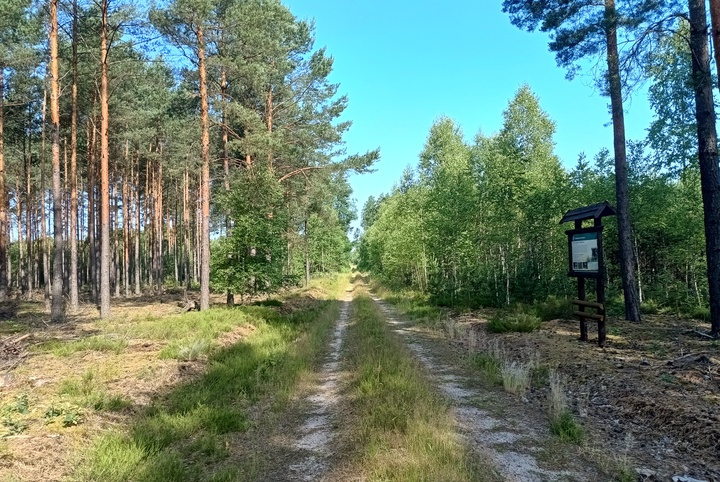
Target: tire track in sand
310, 444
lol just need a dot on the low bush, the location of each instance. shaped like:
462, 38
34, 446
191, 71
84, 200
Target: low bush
553, 308
513, 322
650, 307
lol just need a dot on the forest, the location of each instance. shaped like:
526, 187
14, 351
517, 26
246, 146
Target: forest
195, 144
184, 297
198, 144
476, 223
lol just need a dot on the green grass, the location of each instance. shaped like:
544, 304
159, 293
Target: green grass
403, 428
63, 348
566, 428
184, 435
513, 322
489, 366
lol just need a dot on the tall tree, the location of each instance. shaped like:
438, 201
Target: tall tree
579, 29
58, 303
72, 276
104, 167
184, 23
707, 152
14, 41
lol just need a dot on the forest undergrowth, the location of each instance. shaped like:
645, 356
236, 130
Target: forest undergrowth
650, 396
153, 394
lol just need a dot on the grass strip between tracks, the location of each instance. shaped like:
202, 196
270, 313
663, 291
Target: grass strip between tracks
404, 427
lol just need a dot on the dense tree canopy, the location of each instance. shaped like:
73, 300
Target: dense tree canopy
224, 123
477, 223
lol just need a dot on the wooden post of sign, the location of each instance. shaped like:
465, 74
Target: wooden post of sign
581, 296
600, 283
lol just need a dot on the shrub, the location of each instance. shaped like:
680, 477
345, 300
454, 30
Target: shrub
650, 307
553, 308
700, 313
515, 322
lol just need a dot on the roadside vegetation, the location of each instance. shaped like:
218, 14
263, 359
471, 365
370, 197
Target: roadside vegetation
579, 388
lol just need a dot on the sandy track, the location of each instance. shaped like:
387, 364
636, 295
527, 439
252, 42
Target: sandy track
306, 445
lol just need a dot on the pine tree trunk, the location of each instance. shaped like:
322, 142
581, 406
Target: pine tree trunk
148, 235
58, 303
116, 237
708, 154
186, 227
715, 18
4, 275
43, 232
104, 169
72, 275
126, 222
20, 275
158, 215
205, 183
66, 227
92, 215
627, 268
307, 255
28, 215
230, 296
138, 267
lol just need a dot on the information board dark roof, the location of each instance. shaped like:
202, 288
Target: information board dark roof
594, 211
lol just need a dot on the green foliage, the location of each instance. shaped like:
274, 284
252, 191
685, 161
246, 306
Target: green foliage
513, 322
553, 308
450, 230
477, 225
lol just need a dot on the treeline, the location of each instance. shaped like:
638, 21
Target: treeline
145, 131
477, 224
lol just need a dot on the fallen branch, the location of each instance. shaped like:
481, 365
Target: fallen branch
13, 339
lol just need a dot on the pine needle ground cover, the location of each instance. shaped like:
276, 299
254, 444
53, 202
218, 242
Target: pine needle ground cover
155, 396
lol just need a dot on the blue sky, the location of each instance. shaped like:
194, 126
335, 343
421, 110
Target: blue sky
404, 64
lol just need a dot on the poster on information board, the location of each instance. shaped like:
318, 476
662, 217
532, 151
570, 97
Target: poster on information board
585, 252
584, 249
